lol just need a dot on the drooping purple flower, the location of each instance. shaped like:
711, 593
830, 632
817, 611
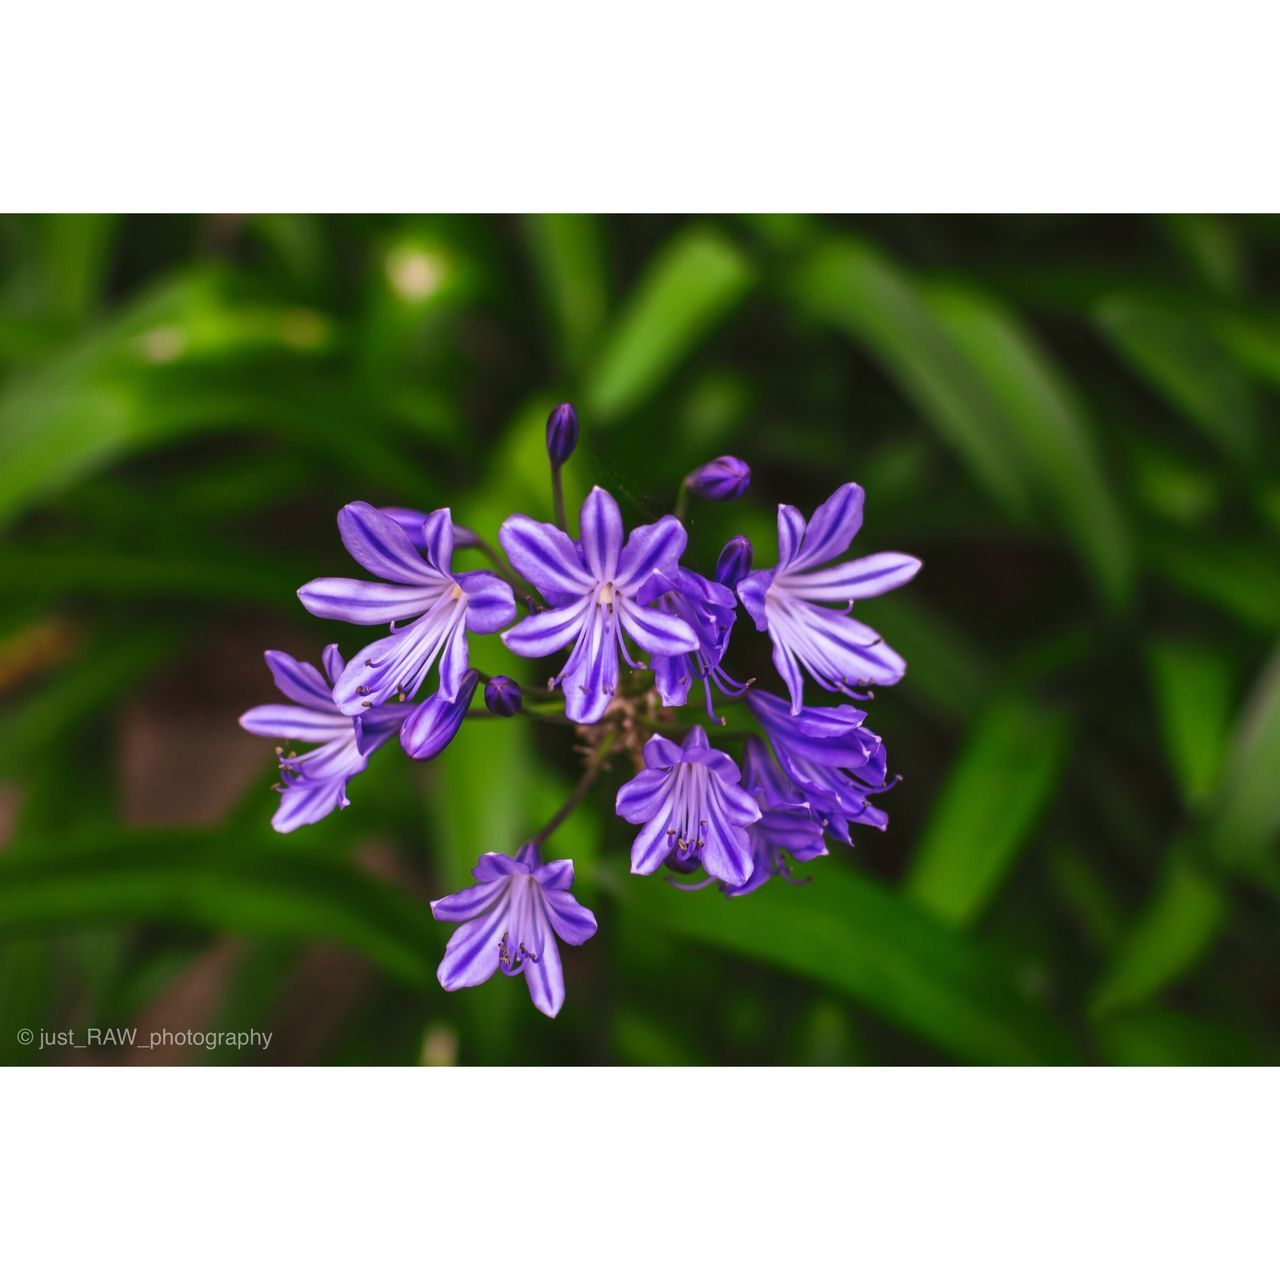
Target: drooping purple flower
788, 601
836, 763
720, 480
709, 609
314, 784
788, 824
510, 921
734, 562
433, 723
562, 434
419, 585
691, 810
502, 696
593, 589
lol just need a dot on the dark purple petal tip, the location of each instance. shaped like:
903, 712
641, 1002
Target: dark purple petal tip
735, 562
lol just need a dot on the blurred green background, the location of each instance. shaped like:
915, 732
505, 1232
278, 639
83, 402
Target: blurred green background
1072, 421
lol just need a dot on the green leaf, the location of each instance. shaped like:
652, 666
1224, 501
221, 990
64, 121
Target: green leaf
694, 281
858, 290
989, 806
1157, 1037
1248, 818
241, 884
1173, 931
1176, 355
568, 255
1242, 578
1055, 445
862, 939
1192, 685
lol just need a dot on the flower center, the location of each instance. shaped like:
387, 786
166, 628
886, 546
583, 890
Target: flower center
456, 592
606, 594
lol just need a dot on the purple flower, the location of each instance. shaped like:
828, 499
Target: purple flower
502, 696
510, 920
720, 480
593, 589
412, 521
432, 724
314, 784
734, 562
835, 762
692, 809
709, 610
419, 585
562, 434
788, 600
788, 824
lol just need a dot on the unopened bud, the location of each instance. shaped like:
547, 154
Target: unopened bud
502, 696
721, 480
562, 434
734, 563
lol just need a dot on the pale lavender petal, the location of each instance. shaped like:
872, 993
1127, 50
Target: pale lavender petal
433, 724
543, 633
554, 875
600, 531
857, 579
437, 538
469, 903
544, 976
590, 677
491, 866
333, 662
661, 753
365, 603
300, 806
545, 556
638, 800
379, 544
454, 658
490, 602
751, 591
656, 632
651, 846
833, 526
785, 663
573, 922
652, 548
471, 956
790, 533
299, 724
299, 681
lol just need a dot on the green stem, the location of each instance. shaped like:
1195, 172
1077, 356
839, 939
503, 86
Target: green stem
579, 793
557, 496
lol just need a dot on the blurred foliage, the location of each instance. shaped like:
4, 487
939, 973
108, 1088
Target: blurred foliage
1072, 420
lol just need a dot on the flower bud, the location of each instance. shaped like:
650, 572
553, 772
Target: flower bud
431, 726
562, 434
502, 696
734, 563
720, 480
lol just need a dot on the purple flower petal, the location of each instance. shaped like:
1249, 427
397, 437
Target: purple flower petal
468, 903
656, 632
437, 538
573, 922
752, 591
651, 548
490, 602
590, 677
858, 579
638, 800
790, 534
296, 723
365, 603
545, 556
300, 682
433, 724
300, 806
333, 662
544, 976
471, 956
832, 528
543, 633
380, 545
600, 529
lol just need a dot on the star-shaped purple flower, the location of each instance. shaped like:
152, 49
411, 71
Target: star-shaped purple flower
314, 784
836, 763
510, 921
593, 589
693, 810
788, 600
419, 585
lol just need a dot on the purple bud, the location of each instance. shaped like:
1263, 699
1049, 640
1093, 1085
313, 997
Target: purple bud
562, 434
431, 726
734, 563
502, 696
720, 480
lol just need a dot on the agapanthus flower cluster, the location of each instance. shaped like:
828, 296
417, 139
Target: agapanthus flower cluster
731, 784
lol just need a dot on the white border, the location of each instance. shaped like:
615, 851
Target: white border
918, 105
566, 1173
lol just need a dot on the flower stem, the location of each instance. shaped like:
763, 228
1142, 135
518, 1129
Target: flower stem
557, 496
682, 501
508, 575
579, 793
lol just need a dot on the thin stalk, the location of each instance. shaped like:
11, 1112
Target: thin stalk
682, 501
508, 575
579, 793
557, 496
